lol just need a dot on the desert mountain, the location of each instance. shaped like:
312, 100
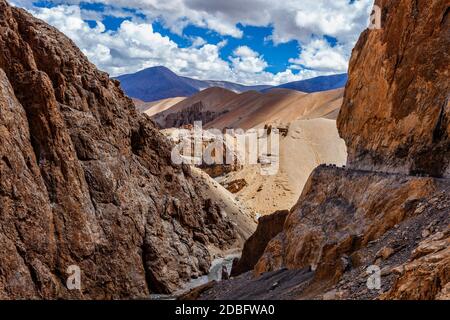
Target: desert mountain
154, 84
88, 182
220, 108
309, 138
379, 228
235, 87
205, 105
277, 107
159, 83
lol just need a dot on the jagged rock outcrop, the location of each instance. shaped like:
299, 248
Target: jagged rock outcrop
87, 181
396, 112
268, 228
427, 274
342, 213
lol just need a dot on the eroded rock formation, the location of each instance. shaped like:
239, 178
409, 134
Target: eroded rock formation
187, 116
396, 112
87, 181
345, 222
426, 274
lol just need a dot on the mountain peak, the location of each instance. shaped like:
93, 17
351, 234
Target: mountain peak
156, 69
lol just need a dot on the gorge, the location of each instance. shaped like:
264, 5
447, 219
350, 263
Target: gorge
87, 179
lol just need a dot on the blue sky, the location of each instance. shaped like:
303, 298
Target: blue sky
250, 42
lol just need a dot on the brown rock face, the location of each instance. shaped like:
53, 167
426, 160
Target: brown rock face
396, 112
187, 116
268, 228
345, 222
339, 212
236, 185
87, 181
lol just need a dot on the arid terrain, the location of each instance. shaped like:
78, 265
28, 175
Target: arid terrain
308, 138
152, 108
358, 208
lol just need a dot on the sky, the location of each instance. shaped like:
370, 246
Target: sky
244, 41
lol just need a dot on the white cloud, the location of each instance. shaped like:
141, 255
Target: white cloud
291, 19
247, 60
320, 56
136, 45
198, 42
245, 52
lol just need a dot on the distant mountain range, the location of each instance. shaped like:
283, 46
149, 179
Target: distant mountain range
159, 83
319, 84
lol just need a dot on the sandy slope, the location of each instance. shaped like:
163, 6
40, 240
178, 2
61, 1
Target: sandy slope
241, 215
308, 144
211, 98
152, 108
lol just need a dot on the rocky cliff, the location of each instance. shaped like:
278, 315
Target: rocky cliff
87, 181
268, 228
348, 220
396, 112
376, 214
